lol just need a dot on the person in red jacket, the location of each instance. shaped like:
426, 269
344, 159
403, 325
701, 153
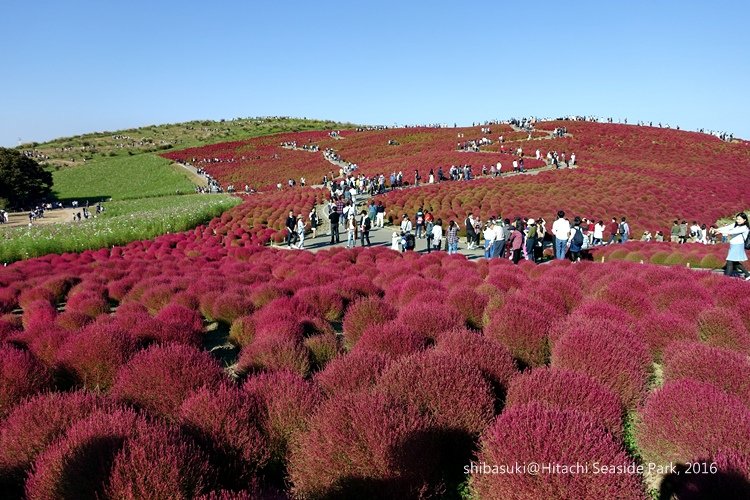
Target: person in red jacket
613, 228
515, 242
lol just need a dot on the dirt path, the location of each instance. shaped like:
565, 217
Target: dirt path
21, 219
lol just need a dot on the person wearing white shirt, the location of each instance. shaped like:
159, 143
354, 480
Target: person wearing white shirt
599, 232
406, 226
489, 239
561, 231
499, 245
738, 234
437, 234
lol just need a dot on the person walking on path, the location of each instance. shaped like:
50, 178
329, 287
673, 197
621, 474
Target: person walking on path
470, 232
333, 217
561, 230
351, 240
738, 235
452, 237
515, 243
613, 229
489, 239
291, 227
300, 232
365, 226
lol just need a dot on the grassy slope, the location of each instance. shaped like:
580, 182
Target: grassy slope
121, 223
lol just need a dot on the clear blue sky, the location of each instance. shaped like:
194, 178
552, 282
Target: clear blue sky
72, 67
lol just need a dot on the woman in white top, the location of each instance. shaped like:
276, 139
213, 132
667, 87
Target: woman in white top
350, 225
437, 234
489, 239
300, 231
737, 233
396, 241
598, 232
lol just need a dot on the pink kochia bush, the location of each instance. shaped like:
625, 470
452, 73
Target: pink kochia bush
289, 400
522, 325
686, 419
363, 313
274, 353
93, 355
119, 454
361, 443
543, 435
484, 353
21, 375
725, 369
354, 372
619, 361
661, 328
723, 327
161, 377
232, 422
567, 390
453, 393
430, 319
393, 339
34, 424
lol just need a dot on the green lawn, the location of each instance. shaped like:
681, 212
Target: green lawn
121, 223
140, 176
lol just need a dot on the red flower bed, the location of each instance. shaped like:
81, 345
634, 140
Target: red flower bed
21, 375
357, 371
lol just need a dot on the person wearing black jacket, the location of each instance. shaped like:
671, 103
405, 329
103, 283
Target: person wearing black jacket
291, 224
334, 218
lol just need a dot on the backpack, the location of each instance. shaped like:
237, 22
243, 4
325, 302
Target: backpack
367, 224
578, 238
747, 241
621, 228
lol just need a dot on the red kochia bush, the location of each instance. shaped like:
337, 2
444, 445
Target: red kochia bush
358, 444
429, 318
32, 425
721, 327
242, 331
470, 304
522, 325
687, 419
659, 329
187, 323
452, 392
232, 422
38, 314
567, 390
362, 313
159, 462
161, 377
489, 356
393, 339
534, 433
727, 370
79, 464
353, 372
327, 303
274, 353
621, 362
289, 401
93, 355
21, 375
732, 479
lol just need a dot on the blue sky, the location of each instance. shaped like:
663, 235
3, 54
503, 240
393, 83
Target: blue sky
83, 66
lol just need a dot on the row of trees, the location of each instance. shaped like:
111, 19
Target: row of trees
23, 182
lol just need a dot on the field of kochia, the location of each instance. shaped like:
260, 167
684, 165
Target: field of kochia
203, 364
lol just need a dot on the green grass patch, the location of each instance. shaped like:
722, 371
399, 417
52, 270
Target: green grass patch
121, 223
140, 176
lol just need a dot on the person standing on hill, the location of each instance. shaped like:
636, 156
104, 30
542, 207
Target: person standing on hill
515, 243
300, 232
613, 229
624, 231
470, 233
365, 225
333, 217
683, 232
291, 226
561, 231
738, 235
674, 233
452, 237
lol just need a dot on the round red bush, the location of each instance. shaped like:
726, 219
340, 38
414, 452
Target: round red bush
535, 433
274, 353
430, 319
722, 327
161, 377
363, 313
621, 362
322, 349
522, 325
21, 375
687, 419
93, 355
289, 401
242, 331
353, 372
567, 390
727, 370
470, 304
452, 392
231, 422
327, 303
489, 356
393, 339
358, 444
661, 328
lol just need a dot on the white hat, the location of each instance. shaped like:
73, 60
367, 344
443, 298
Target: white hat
531, 221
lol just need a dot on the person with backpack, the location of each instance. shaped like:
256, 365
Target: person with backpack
420, 223
575, 242
429, 233
365, 225
739, 243
624, 231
